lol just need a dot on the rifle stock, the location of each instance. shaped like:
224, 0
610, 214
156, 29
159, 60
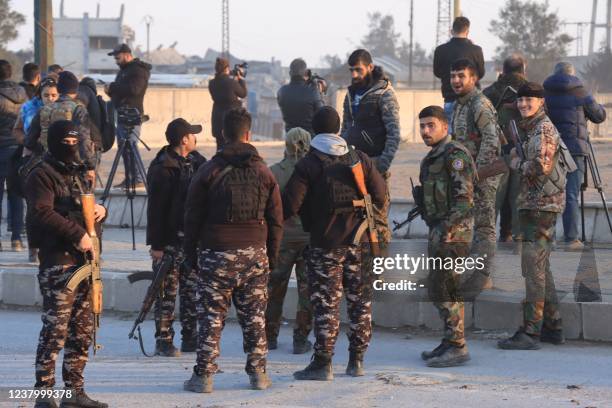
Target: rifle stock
366, 202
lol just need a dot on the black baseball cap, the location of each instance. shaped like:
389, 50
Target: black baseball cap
120, 48
180, 127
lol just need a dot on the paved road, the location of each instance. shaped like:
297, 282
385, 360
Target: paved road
395, 374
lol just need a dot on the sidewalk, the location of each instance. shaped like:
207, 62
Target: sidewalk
574, 375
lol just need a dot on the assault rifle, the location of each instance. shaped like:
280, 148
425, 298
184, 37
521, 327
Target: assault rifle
91, 269
417, 195
160, 270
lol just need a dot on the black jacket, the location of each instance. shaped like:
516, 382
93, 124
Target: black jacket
130, 85
11, 98
569, 106
54, 221
203, 203
226, 93
299, 101
308, 195
88, 94
495, 91
168, 179
447, 53
29, 89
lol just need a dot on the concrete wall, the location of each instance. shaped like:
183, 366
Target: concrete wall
195, 105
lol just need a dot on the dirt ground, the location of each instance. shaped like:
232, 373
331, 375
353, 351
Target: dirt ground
405, 165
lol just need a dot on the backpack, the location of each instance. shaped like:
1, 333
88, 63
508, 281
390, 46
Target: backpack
564, 164
107, 123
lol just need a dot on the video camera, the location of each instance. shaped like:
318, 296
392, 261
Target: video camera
131, 117
240, 69
317, 81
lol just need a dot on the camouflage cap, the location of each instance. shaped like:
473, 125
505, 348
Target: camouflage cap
297, 142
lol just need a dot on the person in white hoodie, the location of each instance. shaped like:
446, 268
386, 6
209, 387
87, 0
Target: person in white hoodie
321, 190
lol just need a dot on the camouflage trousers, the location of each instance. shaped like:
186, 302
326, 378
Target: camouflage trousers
67, 324
485, 240
541, 305
443, 289
186, 282
381, 215
241, 276
290, 254
330, 271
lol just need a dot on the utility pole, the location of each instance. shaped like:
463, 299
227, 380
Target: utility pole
593, 23
410, 63
608, 25
456, 9
148, 20
43, 33
225, 36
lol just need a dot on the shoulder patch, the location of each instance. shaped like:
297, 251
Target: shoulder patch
458, 164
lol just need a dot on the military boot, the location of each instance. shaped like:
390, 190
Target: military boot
199, 383
81, 400
166, 349
259, 380
449, 355
354, 367
45, 402
189, 344
301, 344
552, 336
319, 369
519, 341
426, 355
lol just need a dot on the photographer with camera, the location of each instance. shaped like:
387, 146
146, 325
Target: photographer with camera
127, 92
227, 89
300, 98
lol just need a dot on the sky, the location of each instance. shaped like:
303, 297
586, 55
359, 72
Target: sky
286, 29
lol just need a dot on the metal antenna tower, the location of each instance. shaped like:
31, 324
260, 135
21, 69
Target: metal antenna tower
225, 36
444, 21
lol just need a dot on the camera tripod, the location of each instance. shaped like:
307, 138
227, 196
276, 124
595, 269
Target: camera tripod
586, 283
590, 164
135, 167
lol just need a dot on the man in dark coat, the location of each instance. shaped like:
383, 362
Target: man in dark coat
128, 91
168, 179
458, 47
227, 93
570, 107
299, 100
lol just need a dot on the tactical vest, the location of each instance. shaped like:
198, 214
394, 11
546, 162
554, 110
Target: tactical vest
238, 197
367, 131
337, 190
67, 200
60, 110
563, 163
436, 183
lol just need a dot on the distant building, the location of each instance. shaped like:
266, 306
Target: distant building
81, 44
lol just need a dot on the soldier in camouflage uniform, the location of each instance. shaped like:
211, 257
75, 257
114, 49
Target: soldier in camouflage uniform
168, 179
475, 126
295, 240
234, 214
55, 224
67, 107
446, 201
322, 190
540, 201
371, 123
